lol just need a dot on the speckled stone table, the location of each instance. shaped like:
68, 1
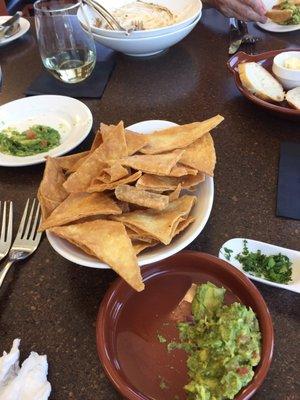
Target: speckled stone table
51, 304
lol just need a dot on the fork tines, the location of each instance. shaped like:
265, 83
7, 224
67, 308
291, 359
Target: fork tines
6, 221
30, 221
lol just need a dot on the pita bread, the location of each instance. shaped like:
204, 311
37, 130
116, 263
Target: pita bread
51, 191
81, 205
68, 162
99, 186
81, 179
201, 155
134, 195
161, 164
109, 242
166, 183
134, 141
114, 173
114, 145
180, 136
160, 225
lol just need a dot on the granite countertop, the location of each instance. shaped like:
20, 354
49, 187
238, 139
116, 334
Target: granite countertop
51, 304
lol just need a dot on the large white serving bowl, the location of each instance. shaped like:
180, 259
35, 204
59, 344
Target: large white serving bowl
201, 212
189, 10
146, 46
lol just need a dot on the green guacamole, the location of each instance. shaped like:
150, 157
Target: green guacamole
223, 345
37, 139
295, 19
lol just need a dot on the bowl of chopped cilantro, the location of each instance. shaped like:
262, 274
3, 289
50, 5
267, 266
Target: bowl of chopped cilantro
199, 331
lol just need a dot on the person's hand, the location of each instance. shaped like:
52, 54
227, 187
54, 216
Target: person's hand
245, 10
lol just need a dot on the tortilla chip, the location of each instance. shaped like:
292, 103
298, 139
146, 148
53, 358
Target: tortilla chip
109, 242
99, 186
114, 173
97, 140
68, 162
138, 247
114, 143
176, 193
161, 164
178, 137
135, 141
81, 179
81, 205
51, 191
184, 224
141, 197
135, 236
160, 225
166, 183
201, 155
181, 170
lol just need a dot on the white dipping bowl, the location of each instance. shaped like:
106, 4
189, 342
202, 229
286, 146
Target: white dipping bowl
148, 46
289, 78
188, 10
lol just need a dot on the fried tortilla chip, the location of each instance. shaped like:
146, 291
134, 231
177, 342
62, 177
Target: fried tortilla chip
68, 162
81, 179
99, 186
51, 191
114, 173
141, 197
81, 205
180, 136
181, 170
141, 246
135, 141
166, 183
141, 237
201, 155
109, 242
160, 225
161, 164
114, 143
97, 140
184, 224
176, 193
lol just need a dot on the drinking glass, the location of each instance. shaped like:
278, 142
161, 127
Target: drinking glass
67, 49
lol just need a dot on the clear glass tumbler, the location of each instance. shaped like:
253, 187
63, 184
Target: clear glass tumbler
67, 49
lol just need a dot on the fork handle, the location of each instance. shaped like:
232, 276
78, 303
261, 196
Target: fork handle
5, 270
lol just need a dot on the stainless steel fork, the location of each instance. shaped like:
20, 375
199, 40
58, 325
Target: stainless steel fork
27, 239
6, 209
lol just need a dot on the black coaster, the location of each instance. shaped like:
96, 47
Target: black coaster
92, 87
288, 191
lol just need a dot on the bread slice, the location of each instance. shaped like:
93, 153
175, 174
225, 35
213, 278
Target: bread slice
293, 98
260, 82
279, 16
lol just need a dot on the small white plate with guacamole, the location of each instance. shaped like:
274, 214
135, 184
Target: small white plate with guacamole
32, 128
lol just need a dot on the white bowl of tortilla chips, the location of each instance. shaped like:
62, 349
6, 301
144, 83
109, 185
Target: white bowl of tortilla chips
172, 200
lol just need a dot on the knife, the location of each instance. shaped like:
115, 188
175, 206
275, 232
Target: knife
11, 21
235, 36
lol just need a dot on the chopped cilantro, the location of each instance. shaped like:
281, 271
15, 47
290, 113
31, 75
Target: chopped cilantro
275, 268
161, 338
227, 253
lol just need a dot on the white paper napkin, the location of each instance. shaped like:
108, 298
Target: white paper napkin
26, 383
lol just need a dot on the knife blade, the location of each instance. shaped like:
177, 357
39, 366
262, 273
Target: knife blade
11, 20
235, 36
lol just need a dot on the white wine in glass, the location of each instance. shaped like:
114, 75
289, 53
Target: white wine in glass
67, 49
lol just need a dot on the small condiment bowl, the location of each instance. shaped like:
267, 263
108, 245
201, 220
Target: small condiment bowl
289, 78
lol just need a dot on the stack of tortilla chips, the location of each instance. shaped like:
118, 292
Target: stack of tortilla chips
128, 192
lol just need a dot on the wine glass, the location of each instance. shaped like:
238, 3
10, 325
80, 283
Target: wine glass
67, 49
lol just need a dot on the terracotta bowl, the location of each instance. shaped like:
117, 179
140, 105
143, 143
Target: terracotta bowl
128, 324
266, 60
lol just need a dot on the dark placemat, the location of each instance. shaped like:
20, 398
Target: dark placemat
92, 87
288, 191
